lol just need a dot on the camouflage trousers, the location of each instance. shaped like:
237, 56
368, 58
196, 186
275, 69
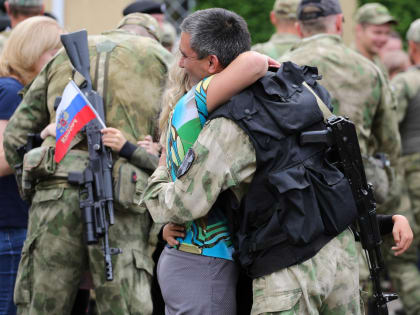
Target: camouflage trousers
55, 257
328, 283
403, 270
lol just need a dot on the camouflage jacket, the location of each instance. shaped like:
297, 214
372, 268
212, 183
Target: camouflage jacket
136, 68
358, 90
224, 159
405, 85
277, 45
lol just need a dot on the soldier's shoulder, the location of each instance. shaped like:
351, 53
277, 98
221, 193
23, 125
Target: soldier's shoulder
412, 74
261, 47
147, 47
410, 79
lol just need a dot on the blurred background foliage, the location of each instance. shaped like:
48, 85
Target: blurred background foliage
256, 13
405, 11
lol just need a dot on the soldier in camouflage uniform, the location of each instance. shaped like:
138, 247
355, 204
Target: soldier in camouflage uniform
19, 10
373, 29
283, 17
128, 68
407, 92
360, 91
371, 108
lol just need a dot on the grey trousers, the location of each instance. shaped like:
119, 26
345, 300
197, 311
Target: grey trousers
197, 285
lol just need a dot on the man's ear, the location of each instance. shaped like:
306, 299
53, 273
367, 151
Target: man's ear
214, 65
7, 7
358, 29
339, 23
299, 29
273, 18
412, 49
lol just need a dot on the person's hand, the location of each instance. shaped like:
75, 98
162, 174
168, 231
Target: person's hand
403, 235
113, 138
150, 146
48, 131
162, 159
171, 231
273, 63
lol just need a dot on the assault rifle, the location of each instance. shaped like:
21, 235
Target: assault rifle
341, 137
96, 198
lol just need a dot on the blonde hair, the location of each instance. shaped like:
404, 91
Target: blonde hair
177, 85
29, 40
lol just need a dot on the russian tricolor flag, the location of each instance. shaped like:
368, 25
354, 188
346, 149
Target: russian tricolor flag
73, 112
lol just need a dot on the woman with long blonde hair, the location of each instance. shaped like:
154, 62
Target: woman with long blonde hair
30, 46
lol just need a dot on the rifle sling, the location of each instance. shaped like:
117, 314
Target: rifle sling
324, 108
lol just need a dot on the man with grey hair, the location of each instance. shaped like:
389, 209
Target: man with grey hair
406, 86
202, 261
283, 18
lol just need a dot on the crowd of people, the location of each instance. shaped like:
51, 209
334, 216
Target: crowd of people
219, 207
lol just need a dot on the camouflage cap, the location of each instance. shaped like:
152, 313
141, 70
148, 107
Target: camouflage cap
145, 20
414, 31
286, 8
313, 9
374, 13
26, 3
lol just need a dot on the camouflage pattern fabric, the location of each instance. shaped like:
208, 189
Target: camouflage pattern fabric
378, 62
405, 275
169, 34
54, 255
413, 32
225, 159
344, 73
328, 283
277, 45
373, 13
286, 8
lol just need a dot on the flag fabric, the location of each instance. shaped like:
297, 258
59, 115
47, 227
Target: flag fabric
73, 112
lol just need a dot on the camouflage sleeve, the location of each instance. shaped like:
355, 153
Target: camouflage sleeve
142, 159
384, 124
224, 159
31, 116
401, 92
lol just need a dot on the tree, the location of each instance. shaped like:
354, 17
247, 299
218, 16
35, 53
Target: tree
256, 14
405, 12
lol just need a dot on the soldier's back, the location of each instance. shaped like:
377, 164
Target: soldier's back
129, 71
357, 87
277, 45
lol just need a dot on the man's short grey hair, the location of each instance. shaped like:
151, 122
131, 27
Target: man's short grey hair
217, 32
319, 25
